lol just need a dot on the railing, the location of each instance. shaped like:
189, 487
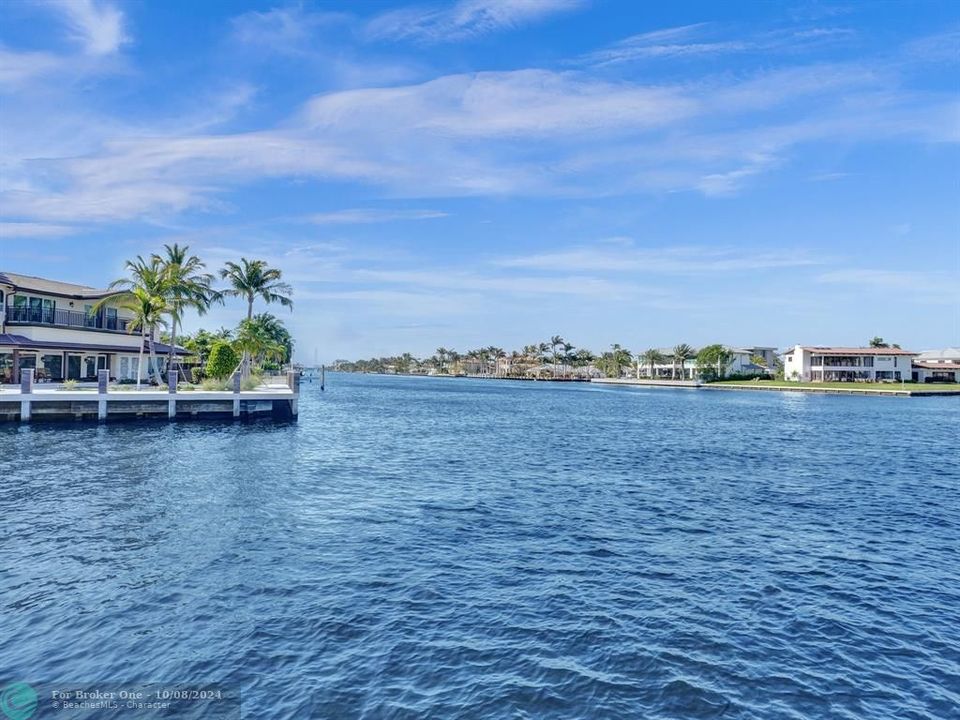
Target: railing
65, 318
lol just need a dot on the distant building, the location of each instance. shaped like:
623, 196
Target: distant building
741, 363
803, 363
51, 327
937, 366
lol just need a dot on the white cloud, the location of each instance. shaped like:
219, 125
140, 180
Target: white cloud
935, 288
701, 40
17, 68
362, 216
9, 230
97, 26
463, 19
623, 257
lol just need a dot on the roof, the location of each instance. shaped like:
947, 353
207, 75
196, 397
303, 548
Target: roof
25, 343
937, 365
52, 287
950, 353
823, 350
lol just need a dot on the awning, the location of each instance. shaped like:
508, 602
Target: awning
21, 342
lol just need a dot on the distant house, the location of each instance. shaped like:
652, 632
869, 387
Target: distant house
51, 327
741, 363
937, 366
804, 363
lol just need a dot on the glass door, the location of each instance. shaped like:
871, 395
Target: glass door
74, 364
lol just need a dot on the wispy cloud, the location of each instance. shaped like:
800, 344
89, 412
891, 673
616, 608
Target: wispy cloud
97, 26
935, 287
622, 257
464, 19
709, 39
363, 216
13, 230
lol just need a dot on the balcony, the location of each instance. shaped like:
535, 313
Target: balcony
56, 317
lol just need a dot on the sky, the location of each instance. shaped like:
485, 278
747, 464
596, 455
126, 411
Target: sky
494, 172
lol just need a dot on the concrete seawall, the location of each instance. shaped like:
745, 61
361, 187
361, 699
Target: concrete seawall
648, 383
32, 403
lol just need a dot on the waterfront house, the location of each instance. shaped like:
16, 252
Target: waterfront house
741, 363
937, 366
51, 327
804, 363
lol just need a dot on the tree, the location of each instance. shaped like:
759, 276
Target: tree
273, 328
712, 361
650, 358
252, 279
143, 293
147, 310
612, 362
186, 285
256, 341
877, 342
555, 343
223, 360
682, 353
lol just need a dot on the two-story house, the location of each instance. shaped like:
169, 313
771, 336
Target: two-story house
52, 327
839, 364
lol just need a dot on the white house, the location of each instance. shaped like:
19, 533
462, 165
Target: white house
741, 363
937, 366
51, 327
804, 363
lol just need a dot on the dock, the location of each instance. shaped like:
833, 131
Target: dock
276, 398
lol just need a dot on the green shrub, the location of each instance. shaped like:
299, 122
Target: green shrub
197, 375
223, 360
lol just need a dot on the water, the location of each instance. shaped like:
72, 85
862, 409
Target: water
437, 548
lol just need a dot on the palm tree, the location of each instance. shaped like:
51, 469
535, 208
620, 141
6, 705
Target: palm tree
187, 286
495, 353
555, 342
442, 354
148, 311
149, 277
274, 328
683, 352
650, 358
254, 339
252, 279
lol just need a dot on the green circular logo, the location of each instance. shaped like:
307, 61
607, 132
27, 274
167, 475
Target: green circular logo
18, 701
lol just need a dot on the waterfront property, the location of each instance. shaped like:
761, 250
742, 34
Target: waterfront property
56, 329
937, 366
741, 362
845, 364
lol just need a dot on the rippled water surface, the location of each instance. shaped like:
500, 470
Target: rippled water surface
440, 548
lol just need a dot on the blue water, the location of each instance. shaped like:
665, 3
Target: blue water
444, 548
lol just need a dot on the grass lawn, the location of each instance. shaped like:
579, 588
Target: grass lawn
787, 385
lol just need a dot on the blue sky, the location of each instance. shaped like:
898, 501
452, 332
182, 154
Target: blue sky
498, 171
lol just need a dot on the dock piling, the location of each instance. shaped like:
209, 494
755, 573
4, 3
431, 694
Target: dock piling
26, 389
103, 379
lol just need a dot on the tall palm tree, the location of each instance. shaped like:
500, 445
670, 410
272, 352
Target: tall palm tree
682, 353
252, 279
495, 353
650, 358
148, 276
148, 311
442, 354
187, 286
556, 342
